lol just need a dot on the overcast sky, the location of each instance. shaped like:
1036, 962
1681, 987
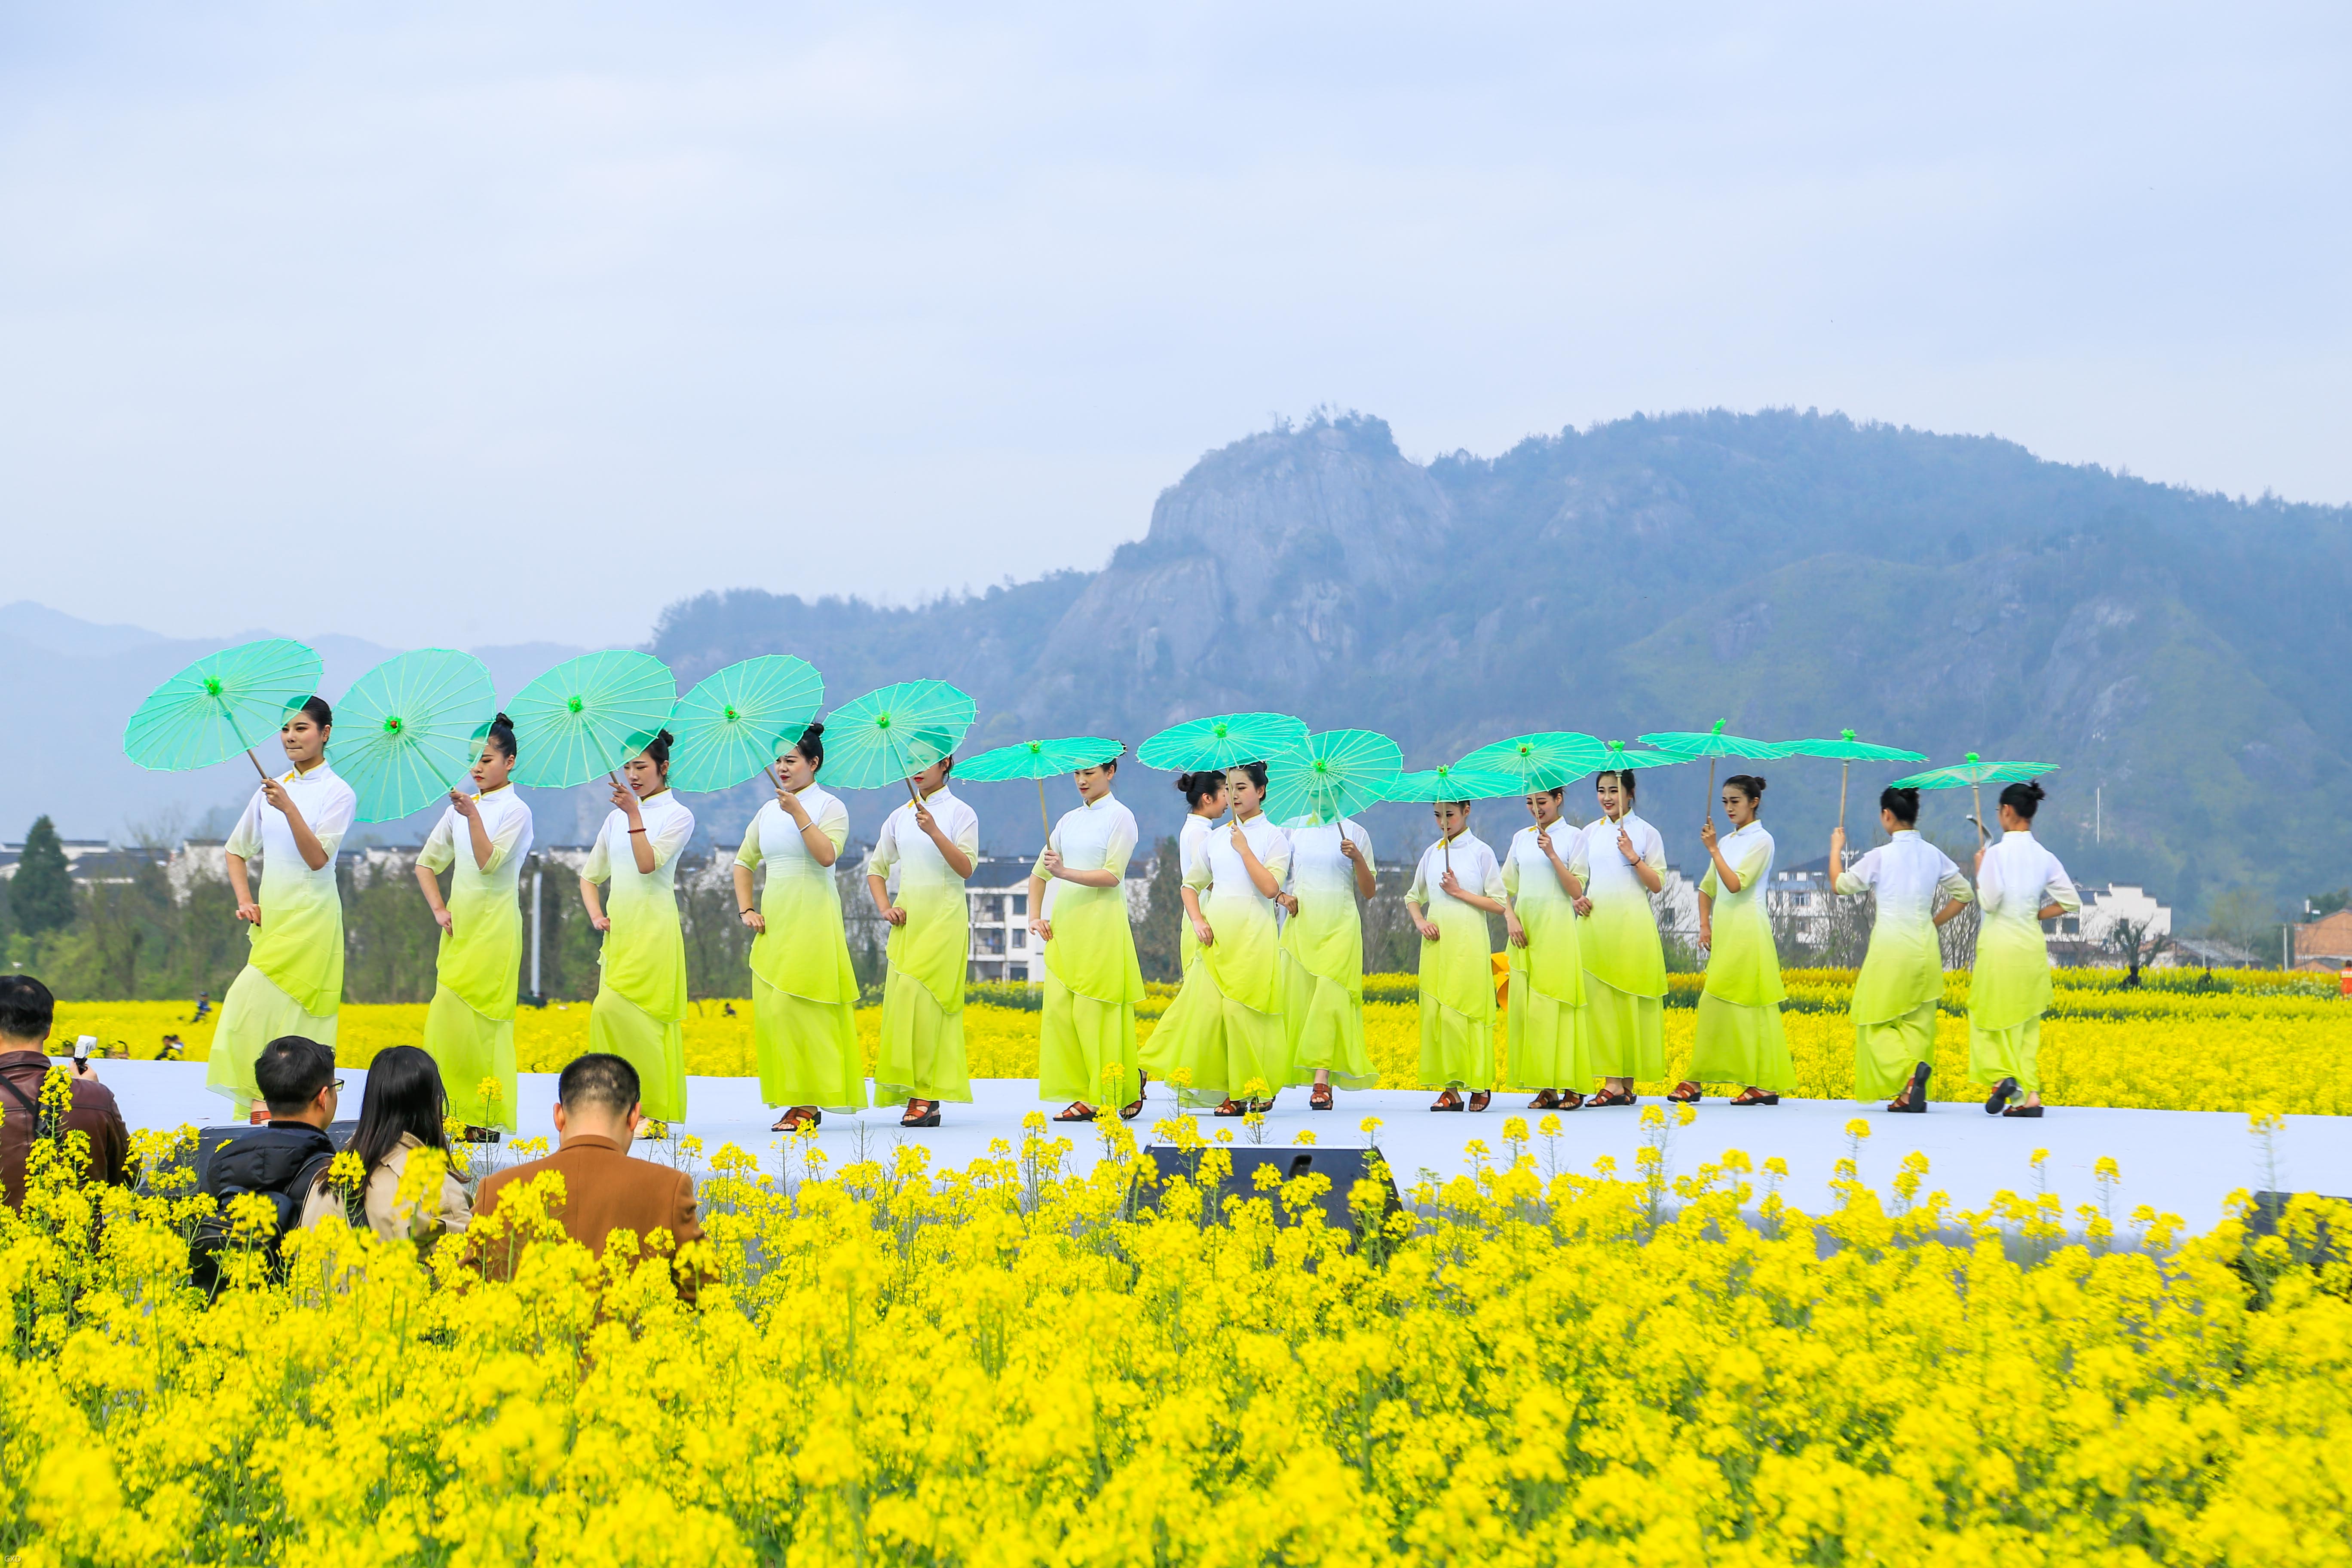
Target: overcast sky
478, 323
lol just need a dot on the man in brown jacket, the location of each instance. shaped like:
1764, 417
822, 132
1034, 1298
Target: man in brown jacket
27, 1013
604, 1189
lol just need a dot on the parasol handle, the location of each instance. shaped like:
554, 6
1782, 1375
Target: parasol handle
1845, 771
1976, 795
1710, 789
1041, 814
238, 731
257, 764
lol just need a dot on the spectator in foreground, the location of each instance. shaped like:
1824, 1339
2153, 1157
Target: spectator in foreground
604, 1190
27, 1013
403, 1111
281, 1159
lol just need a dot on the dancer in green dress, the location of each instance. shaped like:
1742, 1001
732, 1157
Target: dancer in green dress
1077, 906
641, 1000
1547, 1030
1918, 888
916, 875
482, 840
292, 982
803, 990
1622, 861
1457, 884
1223, 1032
2020, 884
1740, 1037
1323, 959
1204, 802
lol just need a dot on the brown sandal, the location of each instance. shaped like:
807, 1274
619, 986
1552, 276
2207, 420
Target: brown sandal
928, 1117
1231, 1108
1548, 1099
1482, 1099
1687, 1094
1751, 1095
1607, 1097
1077, 1111
798, 1117
1447, 1101
1320, 1098
1571, 1100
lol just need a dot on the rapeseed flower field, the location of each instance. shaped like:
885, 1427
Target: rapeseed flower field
1015, 1363
2244, 1039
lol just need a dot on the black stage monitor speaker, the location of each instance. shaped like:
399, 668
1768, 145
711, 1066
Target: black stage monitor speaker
1345, 1167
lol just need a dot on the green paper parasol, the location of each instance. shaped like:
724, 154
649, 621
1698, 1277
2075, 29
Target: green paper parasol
221, 705
1450, 781
1040, 759
1552, 760
1337, 773
589, 715
407, 729
894, 732
1973, 774
1847, 751
734, 722
1712, 745
1223, 741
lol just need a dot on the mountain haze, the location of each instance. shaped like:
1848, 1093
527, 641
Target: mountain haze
2181, 654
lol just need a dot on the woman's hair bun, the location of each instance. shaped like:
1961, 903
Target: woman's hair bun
501, 721
813, 729
666, 739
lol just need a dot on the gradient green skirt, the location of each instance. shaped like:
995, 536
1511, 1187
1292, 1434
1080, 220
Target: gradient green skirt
471, 1049
1629, 1032
657, 1050
1886, 1053
2014, 1052
1746, 1046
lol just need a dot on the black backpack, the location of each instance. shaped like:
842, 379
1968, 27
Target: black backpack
282, 1163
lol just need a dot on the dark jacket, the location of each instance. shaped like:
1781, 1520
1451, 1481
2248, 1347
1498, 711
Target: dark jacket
93, 1111
282, 1161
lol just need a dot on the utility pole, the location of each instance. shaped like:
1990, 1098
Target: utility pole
2099, 814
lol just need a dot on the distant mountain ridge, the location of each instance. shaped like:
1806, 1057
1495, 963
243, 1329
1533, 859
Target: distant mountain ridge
2179, 654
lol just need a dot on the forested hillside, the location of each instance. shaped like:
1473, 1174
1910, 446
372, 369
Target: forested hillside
2179, 654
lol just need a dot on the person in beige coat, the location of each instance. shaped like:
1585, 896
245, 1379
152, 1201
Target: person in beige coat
403, 1112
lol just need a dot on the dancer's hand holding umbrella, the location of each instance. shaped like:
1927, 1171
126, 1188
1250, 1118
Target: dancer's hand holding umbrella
221, 705
408, 729
1975, 774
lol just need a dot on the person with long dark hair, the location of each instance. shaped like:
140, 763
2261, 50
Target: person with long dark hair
1740, 1038
1223, 1032
1918, 888
292, 983
482, 840
1622, 862
641, 1001
403, 1111
2020, 884
803, 990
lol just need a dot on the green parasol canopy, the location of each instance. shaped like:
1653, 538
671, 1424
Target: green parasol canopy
1847, 751
1450, 781
221, 705
1552, 760
1712, 745
407, 729
1339, 772
1619, 759
733, 722
1972, 774
1223, 741
1040, 759
894, 732
589, 715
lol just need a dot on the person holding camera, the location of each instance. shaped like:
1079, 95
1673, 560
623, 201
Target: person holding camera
27, 1011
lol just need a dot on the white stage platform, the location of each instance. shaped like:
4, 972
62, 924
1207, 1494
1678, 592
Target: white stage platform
2183, 1163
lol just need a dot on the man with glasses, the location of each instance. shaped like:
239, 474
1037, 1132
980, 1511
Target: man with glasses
282, 1159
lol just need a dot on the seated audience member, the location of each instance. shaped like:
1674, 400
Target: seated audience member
27, 1013
606, 1190
281, 1159
404, 1109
